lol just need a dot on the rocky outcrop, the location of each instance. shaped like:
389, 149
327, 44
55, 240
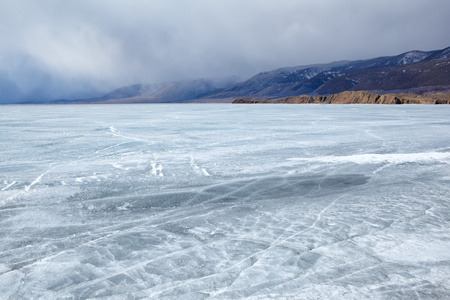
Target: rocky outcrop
356, 97
251, 101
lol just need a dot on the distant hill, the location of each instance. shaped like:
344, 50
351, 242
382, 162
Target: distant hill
176, 91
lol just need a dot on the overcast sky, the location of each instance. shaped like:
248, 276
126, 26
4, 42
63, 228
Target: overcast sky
72, 48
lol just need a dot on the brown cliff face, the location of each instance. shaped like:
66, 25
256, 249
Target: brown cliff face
357, 97
362, 97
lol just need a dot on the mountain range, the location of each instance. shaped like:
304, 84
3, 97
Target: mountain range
414, 71
409, 72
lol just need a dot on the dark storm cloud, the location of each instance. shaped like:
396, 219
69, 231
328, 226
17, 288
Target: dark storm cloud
72, 48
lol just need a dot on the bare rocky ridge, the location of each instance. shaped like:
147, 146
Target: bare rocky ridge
355, 97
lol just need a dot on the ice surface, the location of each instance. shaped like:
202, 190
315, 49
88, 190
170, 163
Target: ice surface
225, 202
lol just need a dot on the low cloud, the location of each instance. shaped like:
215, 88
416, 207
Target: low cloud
69, 49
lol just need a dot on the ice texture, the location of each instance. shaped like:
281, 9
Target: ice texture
224, 202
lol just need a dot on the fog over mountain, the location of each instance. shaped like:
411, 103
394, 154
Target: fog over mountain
415, 72
67, 50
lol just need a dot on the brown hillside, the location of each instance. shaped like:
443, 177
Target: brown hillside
356, 97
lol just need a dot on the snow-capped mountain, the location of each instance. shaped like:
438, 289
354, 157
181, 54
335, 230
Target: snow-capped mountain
378, 74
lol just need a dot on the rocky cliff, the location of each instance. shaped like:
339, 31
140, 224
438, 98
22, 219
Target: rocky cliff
356, 97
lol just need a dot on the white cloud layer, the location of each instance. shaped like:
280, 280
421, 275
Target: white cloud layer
67, 49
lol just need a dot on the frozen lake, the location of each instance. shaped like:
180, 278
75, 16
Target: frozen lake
225, 202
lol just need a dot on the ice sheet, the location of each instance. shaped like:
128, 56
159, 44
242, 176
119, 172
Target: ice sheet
224, 202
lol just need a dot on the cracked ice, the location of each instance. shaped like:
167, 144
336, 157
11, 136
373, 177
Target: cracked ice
225, 201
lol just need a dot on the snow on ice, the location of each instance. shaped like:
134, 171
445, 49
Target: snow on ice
225, 202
